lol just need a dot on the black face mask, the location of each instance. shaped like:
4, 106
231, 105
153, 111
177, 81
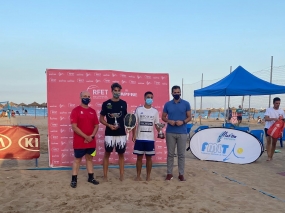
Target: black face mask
176, 96
85, 101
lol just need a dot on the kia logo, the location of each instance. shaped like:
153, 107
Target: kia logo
5, 142
97, 74
53, 112
132, 82
53, 124
123, 76
107, 80
147, 77
157, 83
52, 80
79, 80
30, 143
71, 105
55, 149
70, 74
98, 104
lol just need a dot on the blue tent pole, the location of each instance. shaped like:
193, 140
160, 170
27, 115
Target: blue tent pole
225, 115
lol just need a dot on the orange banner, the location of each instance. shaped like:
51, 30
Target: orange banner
19, 142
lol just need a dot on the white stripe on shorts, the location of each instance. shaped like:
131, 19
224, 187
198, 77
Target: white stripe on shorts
111, 141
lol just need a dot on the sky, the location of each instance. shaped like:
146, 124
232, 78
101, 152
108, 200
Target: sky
182, 38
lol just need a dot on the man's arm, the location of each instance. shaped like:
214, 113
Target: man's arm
96, 127
80, 133
267, 118
189, 117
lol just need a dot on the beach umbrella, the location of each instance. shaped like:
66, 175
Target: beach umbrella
34, 104
12, 104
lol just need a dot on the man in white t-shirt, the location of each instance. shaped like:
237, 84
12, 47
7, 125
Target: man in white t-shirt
143, 134
272, 115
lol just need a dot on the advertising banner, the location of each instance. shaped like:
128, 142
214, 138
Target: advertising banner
225, 145
19, 142
63, 89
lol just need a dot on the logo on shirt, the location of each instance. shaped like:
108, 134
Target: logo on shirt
81, 112
109, 106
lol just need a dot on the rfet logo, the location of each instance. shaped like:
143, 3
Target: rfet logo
97, 93
5, 142
30, 142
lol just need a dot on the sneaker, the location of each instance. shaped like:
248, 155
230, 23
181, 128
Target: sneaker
169, 177
73, 184
181, 178
95, 182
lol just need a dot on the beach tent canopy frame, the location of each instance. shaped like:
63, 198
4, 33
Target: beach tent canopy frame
240, 82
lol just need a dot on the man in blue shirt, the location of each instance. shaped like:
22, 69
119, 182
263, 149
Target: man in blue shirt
176, 113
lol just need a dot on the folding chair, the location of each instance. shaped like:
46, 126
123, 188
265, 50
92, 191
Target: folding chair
242, 128
228, 125
189, 127
201, 128
259, 134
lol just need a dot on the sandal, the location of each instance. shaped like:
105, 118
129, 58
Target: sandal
95, 182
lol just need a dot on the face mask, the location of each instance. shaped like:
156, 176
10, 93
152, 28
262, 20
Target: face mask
148, 101
85, 101
176, 96
116, 95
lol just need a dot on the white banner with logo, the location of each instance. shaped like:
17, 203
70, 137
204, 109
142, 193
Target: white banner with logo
225, 145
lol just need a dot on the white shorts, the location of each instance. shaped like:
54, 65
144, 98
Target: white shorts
119, 142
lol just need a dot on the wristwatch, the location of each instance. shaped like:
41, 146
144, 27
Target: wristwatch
92, 136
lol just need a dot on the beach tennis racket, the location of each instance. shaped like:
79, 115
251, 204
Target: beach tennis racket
130, 123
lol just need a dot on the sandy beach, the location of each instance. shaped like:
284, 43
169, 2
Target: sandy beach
210, 187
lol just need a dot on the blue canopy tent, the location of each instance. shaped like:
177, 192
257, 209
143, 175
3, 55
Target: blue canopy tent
240, 83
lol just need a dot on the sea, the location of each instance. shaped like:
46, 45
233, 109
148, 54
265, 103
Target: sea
32, 111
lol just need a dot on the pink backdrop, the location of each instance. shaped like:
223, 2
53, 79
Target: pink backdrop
63, 88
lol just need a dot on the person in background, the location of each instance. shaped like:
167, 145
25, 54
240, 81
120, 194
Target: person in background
239, 114
272, 114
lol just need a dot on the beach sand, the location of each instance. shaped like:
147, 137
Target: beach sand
206, 188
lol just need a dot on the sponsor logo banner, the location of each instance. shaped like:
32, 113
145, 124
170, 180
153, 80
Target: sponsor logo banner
97, 83
18, 142
225, 145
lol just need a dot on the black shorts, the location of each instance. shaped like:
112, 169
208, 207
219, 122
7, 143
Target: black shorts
120, 142
239, 118
144, 147
265, 131
79, 153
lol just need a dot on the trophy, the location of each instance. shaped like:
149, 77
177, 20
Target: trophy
116, 115
160, 133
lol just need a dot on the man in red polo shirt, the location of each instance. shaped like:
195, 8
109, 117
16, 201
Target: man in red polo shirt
85, 124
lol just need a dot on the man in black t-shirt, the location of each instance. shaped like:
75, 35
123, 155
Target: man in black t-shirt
115, 111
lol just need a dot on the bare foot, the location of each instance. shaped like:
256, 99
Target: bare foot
138, 179
121, 177
105, 179
269, 159
148, 179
